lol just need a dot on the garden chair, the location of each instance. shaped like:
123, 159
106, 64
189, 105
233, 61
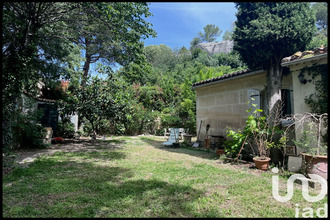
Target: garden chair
173, 138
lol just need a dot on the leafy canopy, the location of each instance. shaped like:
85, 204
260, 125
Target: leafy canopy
272, 30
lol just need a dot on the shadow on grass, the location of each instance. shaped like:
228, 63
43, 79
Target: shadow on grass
90, 143
181, 149
60, 187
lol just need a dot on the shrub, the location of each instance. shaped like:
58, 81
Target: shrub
65, 129
29, 133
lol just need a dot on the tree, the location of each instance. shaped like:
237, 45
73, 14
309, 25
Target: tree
321, 36
266, 32
31, 49
228, 34
211, 32
321, 9
95, 101
111, 31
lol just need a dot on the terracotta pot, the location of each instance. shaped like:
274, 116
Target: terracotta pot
316, 165
262, 163
220, 151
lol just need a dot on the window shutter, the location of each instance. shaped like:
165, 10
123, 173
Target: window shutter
255, 94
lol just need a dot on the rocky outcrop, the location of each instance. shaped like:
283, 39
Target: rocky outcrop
225, 47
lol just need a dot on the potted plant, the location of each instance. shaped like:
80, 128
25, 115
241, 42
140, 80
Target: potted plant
314, 151
260, 131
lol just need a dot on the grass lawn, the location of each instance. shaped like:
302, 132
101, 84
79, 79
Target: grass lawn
138, 177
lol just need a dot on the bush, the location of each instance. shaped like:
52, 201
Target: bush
233, 146
29, 133
65, 129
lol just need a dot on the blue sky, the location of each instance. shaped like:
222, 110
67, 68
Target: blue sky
177, 23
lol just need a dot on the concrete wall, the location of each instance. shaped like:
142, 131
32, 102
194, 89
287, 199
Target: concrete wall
225, 103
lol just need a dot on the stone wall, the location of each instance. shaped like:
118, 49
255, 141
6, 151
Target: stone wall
224, 104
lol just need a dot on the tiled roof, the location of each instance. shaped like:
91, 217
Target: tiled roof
297, 56
225, 76
38, 98
306, 54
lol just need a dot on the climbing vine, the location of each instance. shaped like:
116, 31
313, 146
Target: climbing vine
318, 101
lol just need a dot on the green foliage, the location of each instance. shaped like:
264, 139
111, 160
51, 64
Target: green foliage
318, 101
321, 13
268, 30
169, 118
307, 142
312, 126
28, 132
95, 102
65, 129
32, 50
227, 35
209, 34
231, 59
257, 132
320, 38
234, 144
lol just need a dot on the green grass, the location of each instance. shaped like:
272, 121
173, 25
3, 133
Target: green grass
141, 178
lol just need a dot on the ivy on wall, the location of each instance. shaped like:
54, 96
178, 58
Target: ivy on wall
318, 101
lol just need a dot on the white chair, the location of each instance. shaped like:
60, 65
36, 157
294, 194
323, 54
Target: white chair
173, 138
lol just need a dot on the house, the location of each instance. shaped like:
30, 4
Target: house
221, 102
50, 109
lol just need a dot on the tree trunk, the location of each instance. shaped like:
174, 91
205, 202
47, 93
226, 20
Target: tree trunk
94, 131
87, 62
86, 69
274, 85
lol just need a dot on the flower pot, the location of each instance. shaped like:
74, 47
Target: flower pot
262, 163
220, 151
316, 165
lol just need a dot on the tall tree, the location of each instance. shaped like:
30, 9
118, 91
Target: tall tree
210, 34
268, 31
30, 50
111, 31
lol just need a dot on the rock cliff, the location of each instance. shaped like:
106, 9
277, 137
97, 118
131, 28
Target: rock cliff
217, 47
